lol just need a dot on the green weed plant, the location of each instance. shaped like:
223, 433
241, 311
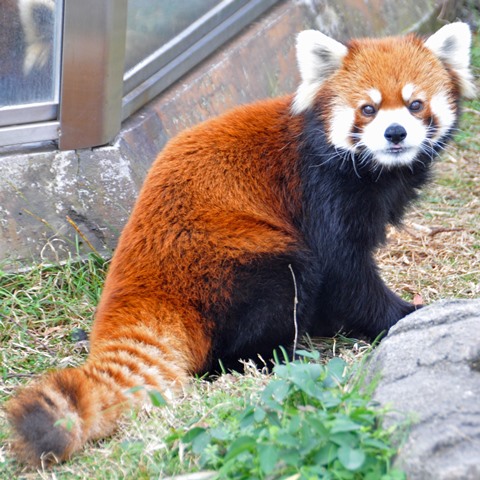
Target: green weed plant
311, 421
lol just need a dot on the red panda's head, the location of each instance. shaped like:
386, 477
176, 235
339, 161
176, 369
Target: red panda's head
386, 98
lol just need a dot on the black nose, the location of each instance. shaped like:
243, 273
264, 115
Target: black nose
395, 133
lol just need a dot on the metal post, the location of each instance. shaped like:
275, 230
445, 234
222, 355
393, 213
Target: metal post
93, 59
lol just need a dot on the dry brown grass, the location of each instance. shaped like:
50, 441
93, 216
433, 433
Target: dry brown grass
436, 254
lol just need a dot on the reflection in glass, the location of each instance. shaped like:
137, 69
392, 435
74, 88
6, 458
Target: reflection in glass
28, 52
152, 23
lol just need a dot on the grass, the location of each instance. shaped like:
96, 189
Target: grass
44, 312
310, 421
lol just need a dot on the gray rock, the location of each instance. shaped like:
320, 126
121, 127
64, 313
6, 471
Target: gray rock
429, 376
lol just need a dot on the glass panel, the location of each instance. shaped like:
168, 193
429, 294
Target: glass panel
167, 62
29, 51
152, 23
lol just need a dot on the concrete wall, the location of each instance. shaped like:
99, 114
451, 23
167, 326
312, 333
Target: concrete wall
47, 196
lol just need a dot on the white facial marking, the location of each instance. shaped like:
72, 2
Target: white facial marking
407, 92
444, 114
343, 118
375, 95
384, 152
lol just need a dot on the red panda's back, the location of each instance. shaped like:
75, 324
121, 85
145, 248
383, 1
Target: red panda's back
218, 195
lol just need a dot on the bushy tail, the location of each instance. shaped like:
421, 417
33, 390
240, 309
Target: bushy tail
54, 417
50, 418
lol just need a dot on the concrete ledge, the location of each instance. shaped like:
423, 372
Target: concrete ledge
96, 188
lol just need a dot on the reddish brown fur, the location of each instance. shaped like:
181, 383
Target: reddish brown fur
187, 191
147, 329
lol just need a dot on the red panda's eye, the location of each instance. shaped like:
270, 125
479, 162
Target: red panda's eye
416, 106
369, 110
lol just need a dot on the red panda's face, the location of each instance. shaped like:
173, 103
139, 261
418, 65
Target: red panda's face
388, 99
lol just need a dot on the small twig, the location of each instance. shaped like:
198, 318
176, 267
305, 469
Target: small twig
40, 219
295, 303
77, 229
205, 475
435, 231
431, 231
19, 375
471, 110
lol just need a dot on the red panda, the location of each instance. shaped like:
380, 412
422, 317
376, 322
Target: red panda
290, 195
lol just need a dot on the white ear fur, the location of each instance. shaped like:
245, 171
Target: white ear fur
451, 44
318, 57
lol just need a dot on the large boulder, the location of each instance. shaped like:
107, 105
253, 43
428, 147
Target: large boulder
428, 373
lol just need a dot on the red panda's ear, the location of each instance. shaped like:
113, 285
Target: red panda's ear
318, 57
451, 44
